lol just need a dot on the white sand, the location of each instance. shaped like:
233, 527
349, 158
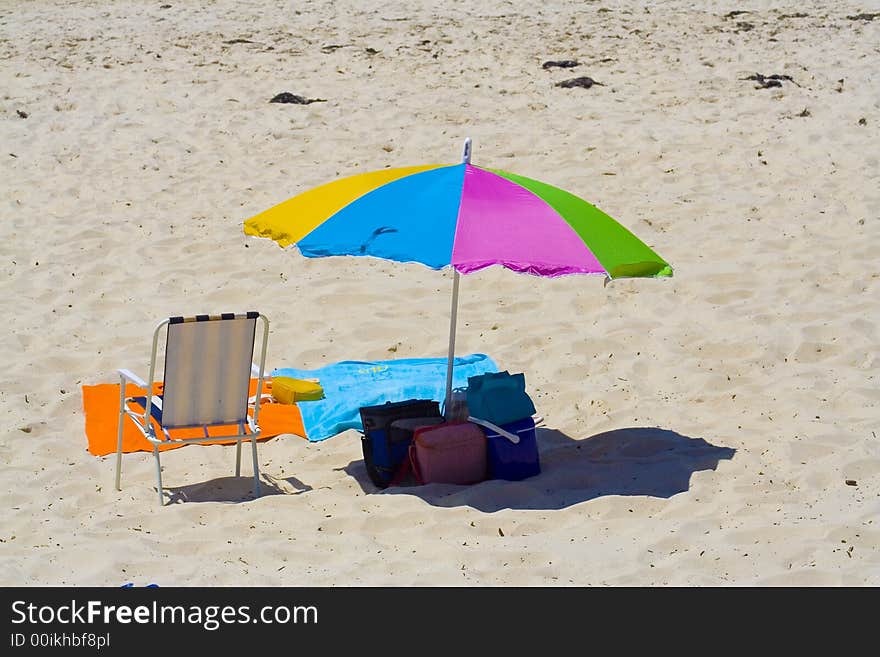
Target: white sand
149, 140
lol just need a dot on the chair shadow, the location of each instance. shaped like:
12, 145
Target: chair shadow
234, 489
632, 461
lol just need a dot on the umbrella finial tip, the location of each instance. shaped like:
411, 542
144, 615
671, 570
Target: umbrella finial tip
466, 152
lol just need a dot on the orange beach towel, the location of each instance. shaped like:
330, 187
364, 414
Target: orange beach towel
101, 408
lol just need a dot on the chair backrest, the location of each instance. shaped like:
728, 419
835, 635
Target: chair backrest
208, 369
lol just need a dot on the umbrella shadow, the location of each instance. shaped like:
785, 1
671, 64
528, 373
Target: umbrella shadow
234, 489
644, 461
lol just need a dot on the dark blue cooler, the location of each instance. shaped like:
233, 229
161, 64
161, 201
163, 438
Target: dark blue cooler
513, 461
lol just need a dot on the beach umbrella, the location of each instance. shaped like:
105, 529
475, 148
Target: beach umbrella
458, 215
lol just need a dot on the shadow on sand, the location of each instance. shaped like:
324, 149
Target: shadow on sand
234, 489
632, 461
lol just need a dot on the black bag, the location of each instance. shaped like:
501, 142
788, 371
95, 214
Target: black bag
384, 449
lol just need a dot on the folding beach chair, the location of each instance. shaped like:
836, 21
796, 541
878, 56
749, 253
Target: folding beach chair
207, 372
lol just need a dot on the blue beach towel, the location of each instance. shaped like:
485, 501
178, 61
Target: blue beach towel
351, 384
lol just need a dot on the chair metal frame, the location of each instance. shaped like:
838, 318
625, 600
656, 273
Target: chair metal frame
143, 421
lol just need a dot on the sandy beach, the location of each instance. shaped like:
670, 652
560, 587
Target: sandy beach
721, 427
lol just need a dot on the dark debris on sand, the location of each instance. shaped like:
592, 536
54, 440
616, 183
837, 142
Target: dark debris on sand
562, 63
782, 17
21, 115
290, 98
864, 17
583, 82
734, 14
769, 81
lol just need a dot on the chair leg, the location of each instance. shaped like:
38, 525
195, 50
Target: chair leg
119, 434
238, 458
159, 475
256, 466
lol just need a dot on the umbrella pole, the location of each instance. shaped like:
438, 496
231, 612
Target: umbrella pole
452, 321
465, 159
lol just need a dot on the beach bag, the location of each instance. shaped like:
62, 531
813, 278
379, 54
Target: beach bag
449, 453
512, 450
499, 397
382, 454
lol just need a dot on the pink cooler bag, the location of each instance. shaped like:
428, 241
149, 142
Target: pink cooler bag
451, 453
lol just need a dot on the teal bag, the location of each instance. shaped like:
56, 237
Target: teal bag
499, 397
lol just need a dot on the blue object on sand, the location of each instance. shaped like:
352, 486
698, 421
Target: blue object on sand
349, 385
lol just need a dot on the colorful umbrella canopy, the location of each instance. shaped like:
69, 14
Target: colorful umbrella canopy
461, 215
